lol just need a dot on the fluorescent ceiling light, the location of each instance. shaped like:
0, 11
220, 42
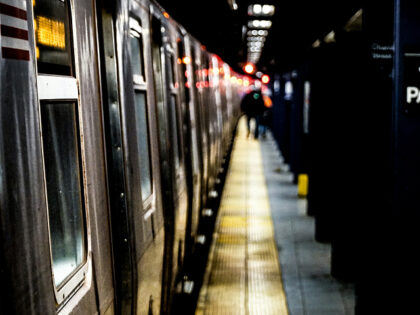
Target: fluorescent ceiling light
330, 37
268, 9
316, 43
355, 22
255, 44
253, 32
261, 10
259, 24
256, 39
256, 9
233, 4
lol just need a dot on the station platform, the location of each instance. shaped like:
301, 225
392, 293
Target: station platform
263, 259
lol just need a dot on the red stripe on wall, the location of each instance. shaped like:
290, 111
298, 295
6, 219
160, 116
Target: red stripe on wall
11, 53
13, 11
13, 32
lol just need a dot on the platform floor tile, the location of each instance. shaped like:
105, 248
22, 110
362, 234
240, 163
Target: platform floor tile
243, 273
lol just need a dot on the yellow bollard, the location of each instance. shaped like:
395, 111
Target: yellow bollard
303, 185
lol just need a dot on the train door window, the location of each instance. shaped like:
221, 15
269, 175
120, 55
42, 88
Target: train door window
52, 34
64, 186
143, 145
175, 132
172, 70
137, 59
157, 30
142, 124
183, 76
61, 143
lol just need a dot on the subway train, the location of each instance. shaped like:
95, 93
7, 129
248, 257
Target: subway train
114, 125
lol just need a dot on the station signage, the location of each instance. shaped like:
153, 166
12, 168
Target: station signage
411, 84
382, 54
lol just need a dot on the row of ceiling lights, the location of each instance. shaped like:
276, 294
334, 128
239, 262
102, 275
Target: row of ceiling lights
258, 29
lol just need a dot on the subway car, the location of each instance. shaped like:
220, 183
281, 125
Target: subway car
114, 126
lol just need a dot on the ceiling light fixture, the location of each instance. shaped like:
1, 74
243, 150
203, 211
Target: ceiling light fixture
265, 24
268, 10
256, 39
261, 10
330, 37
249, 68
316, 43
265, 79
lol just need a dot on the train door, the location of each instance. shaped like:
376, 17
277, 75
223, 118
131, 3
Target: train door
178, 166
72, 153
204, 109
133, 158
196, 70
166, 103
218, 118
191, 139
203, 135
211, 114
190, 158
229, 100
222, 89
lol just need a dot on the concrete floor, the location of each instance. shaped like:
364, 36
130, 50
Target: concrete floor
305, 264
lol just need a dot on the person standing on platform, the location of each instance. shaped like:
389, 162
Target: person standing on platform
252, 106
266, 115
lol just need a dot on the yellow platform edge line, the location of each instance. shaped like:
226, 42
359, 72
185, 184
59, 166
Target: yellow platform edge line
274, 298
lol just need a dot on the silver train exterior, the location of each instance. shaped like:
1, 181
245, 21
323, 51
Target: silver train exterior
114, 124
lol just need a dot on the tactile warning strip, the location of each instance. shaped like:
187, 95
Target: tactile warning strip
243, 273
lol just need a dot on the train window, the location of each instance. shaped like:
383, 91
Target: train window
175, 131
142, 124
64, 187
143, 144
53, 36
172, 71
157, 69
183, 76
136, 44
157, 30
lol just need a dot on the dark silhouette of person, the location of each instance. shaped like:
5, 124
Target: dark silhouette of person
252, 106
266, 115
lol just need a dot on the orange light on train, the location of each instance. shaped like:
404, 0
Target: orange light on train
166, 15
186, 60
179, 61
265, 79
249, 68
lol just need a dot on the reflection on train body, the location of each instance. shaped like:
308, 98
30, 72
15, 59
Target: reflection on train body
113, 133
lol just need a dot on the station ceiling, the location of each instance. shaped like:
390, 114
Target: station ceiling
296, 24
